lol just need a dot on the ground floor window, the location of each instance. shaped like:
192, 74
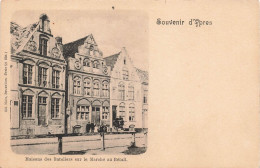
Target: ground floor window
131, 112
55, 108
82, 112
122, 110
105, 113
27, 106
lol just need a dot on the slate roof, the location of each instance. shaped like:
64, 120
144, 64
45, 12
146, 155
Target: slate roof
71, 48
20, 35
143, 75
111, 60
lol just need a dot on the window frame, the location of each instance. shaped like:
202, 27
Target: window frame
131, 112
25, 111
54, 107
56, 78
77, 85
87, 86
121, 91
42, 76
29, 74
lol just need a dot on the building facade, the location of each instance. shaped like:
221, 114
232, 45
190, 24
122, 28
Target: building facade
144, 79
37, 100
88, 85
126, 91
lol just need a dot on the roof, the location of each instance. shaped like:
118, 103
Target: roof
20, 35
71, 48
143, 75
111, 60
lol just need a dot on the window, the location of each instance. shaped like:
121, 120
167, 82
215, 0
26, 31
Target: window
96, 64
76, 85
82, 112
105, 89
43, 46
42, 76
122, 110
27, 106
131, 92
56, 79
96, 88
87, 87
105, 113
27, 74
86, 62
55, 108
145, 96
125, 74
124, 61
131, 112
121, 90
42, 100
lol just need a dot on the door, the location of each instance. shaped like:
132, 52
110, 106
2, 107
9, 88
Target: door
114, 113
42, 111
95, 118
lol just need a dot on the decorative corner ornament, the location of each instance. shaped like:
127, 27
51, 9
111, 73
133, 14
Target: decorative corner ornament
55, 52
77, 65
105, 70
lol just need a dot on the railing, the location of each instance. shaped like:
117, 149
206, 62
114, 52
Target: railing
102, 139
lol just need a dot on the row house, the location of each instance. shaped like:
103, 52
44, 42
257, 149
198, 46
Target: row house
126, 90
88, 81
58, 88
38, 68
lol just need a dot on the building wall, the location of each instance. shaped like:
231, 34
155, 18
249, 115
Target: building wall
122, 64
40, 121
78, 99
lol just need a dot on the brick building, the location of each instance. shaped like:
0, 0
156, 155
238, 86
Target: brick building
88, 84
37, 80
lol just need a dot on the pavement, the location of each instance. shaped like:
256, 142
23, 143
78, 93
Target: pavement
78, 145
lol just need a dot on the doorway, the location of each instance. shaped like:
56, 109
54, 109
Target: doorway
42, 111
95, 118
114, 111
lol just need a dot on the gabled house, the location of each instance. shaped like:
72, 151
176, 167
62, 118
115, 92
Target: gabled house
125, 90
88, 81
37, 98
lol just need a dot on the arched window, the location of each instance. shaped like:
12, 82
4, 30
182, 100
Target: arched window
76, 85
105, 111
87, 86
131, 112
122, 110
96, 87
130, 92
96, 64
121, 91
83, 108
125, 74
105, 89
86, 62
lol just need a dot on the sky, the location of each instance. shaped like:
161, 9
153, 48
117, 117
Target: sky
112, 30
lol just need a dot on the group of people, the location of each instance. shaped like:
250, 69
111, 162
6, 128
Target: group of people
90, 127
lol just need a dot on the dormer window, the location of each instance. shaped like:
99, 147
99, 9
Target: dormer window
43, 46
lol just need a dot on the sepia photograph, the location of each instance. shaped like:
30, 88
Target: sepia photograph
79, 82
